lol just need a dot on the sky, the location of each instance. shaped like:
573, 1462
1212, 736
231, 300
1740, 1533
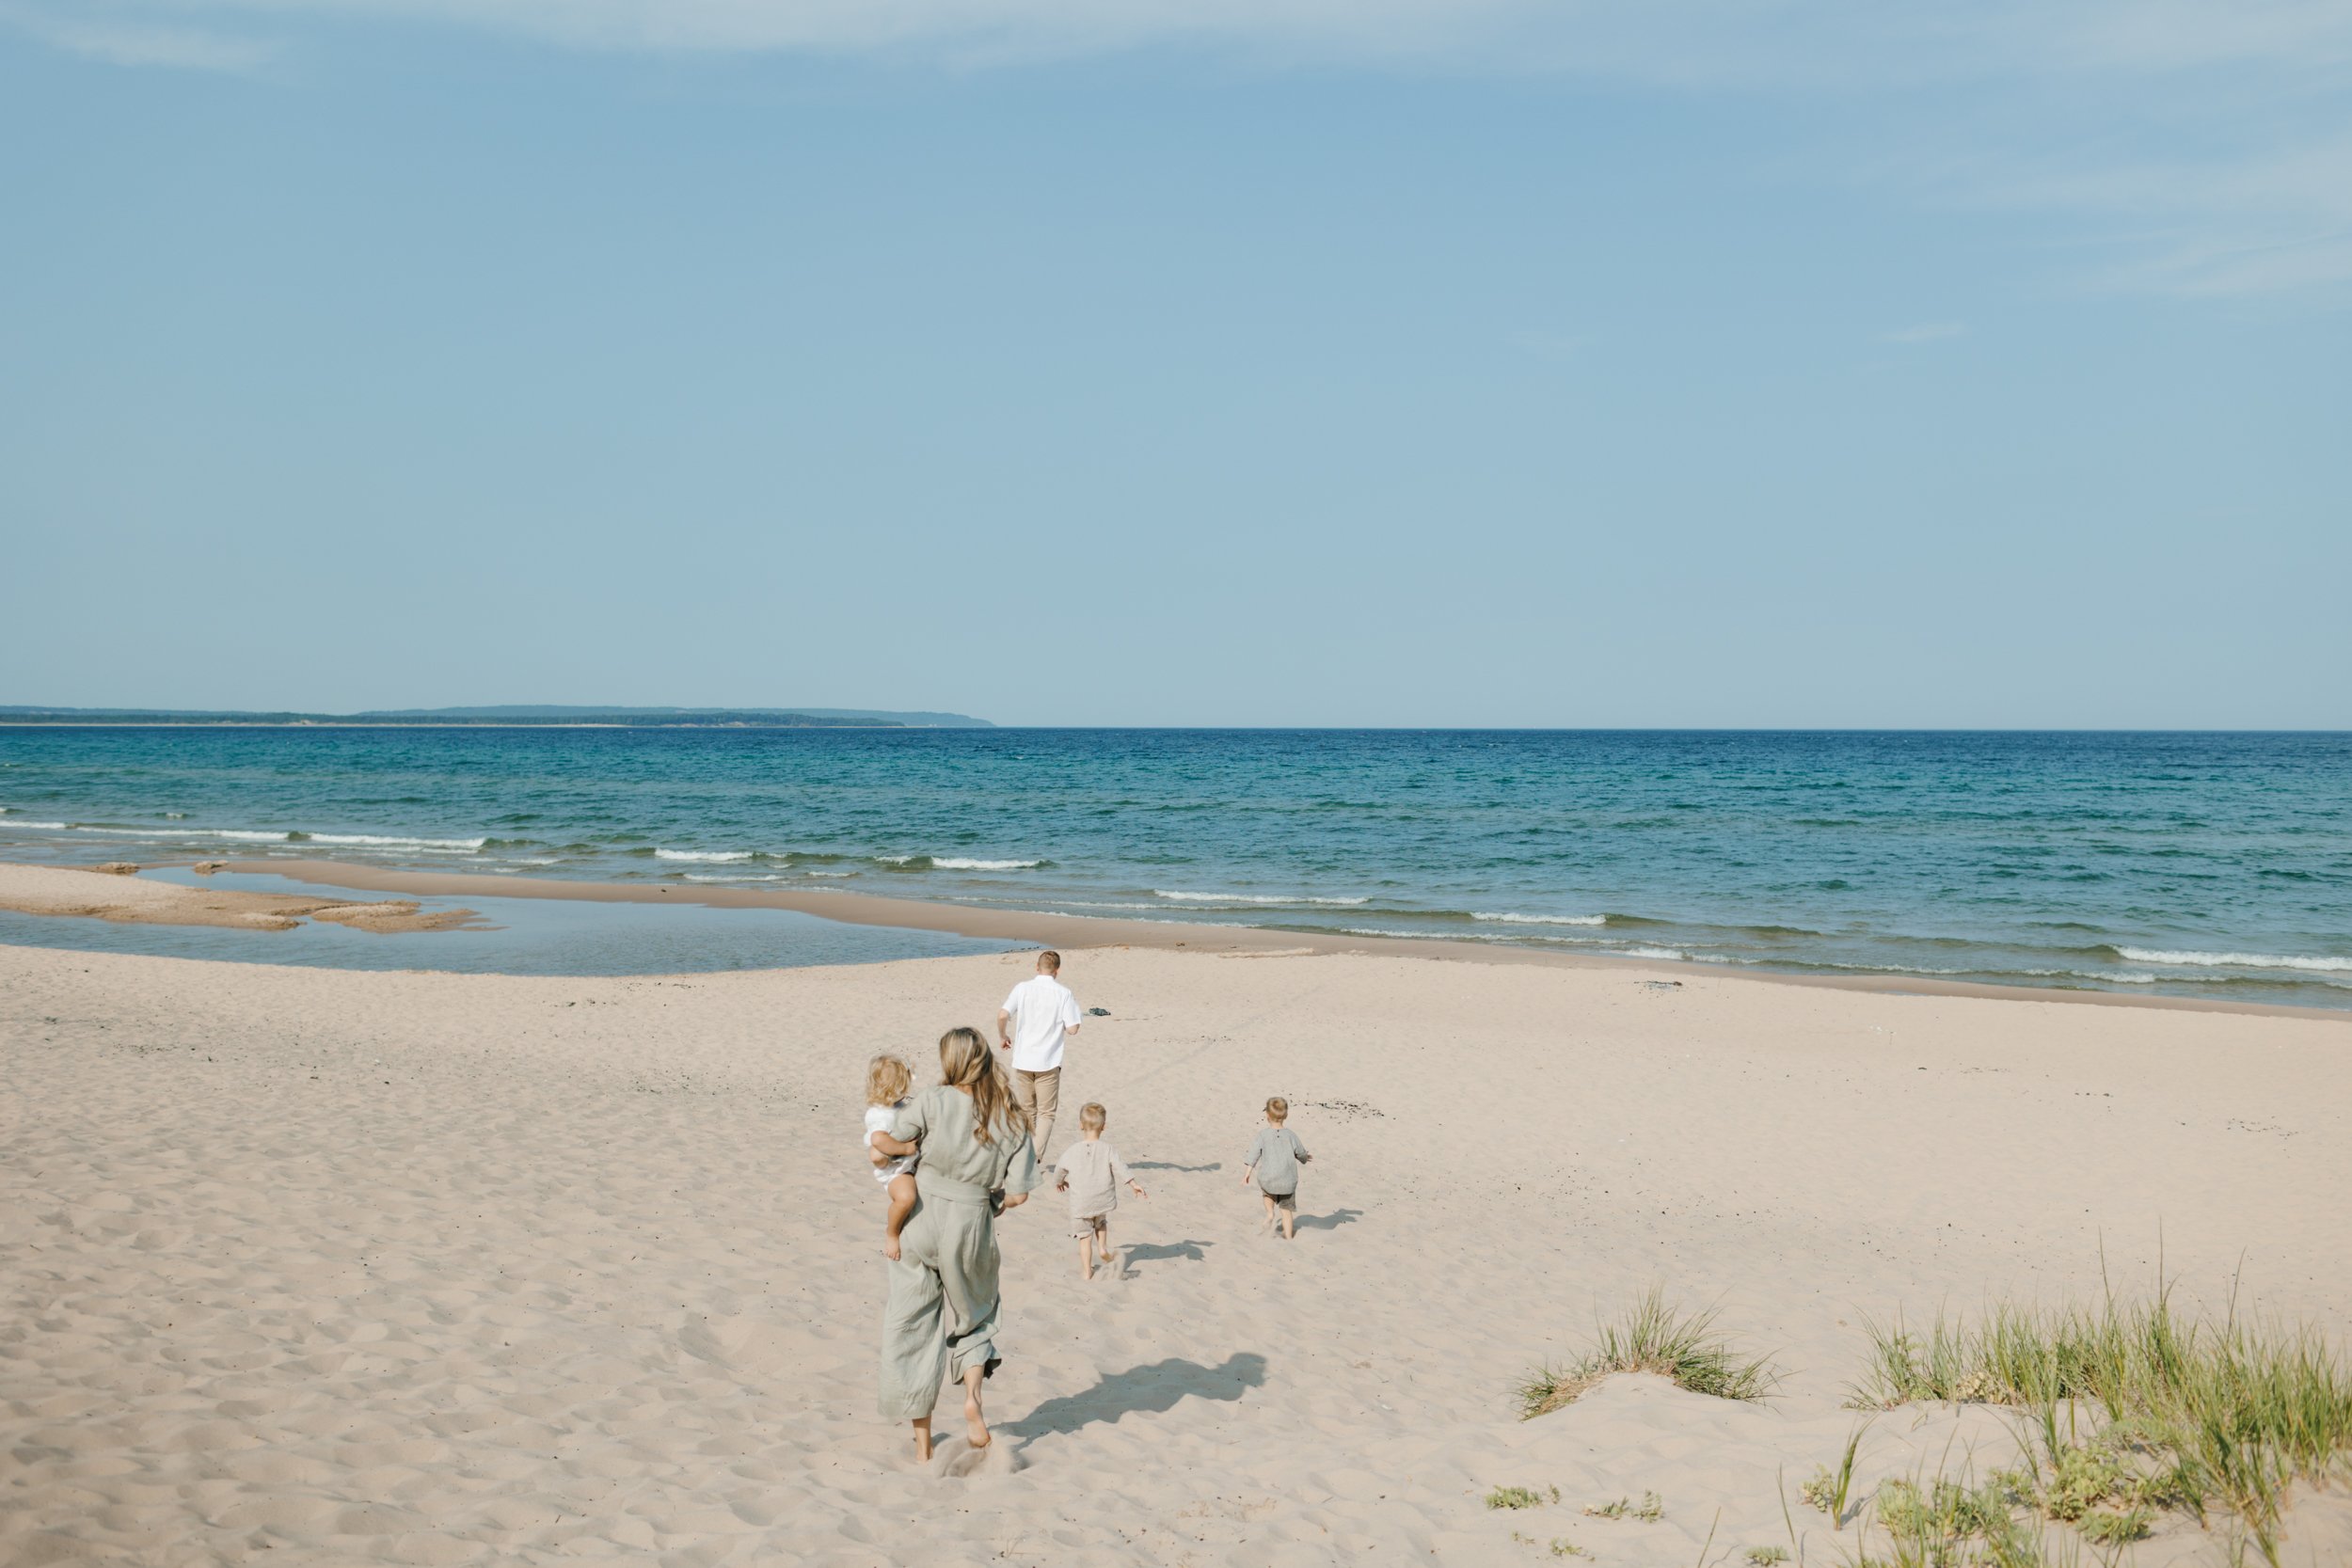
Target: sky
1397, 362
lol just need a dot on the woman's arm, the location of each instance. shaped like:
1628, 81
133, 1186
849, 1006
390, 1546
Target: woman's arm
1014, 1200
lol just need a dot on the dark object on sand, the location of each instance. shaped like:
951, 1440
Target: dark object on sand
205, 869
1097, 1012
117, 868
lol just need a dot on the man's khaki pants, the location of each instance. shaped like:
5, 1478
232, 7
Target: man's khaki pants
1040, 1093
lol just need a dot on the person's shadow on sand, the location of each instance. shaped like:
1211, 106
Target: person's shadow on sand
1153, 1389
1164, 1164
1331, 1221
1153, 1252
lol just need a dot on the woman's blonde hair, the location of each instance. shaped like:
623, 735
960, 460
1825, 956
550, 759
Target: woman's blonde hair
964, 1062
887, 1080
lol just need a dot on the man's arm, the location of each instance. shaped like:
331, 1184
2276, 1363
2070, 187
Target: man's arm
1004, 1040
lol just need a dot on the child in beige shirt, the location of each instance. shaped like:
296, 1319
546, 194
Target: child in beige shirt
1090, 1171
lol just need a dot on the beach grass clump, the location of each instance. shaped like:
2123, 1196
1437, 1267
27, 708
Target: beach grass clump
1655, 1336
1766, 1557
2187, 1413
1518, 1496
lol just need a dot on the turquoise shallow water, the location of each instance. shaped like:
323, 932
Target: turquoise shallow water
513, 936
2201, 864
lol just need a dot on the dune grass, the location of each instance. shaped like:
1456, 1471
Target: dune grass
1655, 1336
2186, 1413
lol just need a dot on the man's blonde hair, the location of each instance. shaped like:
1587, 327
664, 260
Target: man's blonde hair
887, 1080
1277, 1109
1092, 1117
1049, 961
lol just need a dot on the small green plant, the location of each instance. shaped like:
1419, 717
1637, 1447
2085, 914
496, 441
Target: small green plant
1513, 1496
1649, 1510
1563, 1547
1829, 1489
2114, 1530
1765, 1557
1655, 1337
1942, 1524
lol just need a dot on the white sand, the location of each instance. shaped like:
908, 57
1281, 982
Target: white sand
301, 1266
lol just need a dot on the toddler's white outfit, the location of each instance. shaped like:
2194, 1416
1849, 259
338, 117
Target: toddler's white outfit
878, 1119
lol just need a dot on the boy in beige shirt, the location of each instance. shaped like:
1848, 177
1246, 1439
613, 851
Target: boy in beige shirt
1090, 1171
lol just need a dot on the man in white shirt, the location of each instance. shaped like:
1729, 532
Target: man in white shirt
1033, 1023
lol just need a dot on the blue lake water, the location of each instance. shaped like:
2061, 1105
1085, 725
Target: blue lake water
2197, 863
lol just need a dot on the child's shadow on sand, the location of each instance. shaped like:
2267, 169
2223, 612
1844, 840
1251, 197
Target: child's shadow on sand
1331, 1221
1153, 1252
1163, 1164
1151, 1389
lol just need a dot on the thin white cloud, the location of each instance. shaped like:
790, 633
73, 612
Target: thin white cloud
2204, 109
139, 40
1926, 332
1803, 40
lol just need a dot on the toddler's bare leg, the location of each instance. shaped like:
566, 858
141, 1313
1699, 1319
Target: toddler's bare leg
1290, 1219
902, 1191
1086, 1255
1270, 1212
1102, 1244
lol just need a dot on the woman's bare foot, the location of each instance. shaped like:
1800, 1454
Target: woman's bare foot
975, 1427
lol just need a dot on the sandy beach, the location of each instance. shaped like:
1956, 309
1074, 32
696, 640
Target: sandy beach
315, 1266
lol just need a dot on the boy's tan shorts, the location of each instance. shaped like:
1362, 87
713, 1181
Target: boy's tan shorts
1084, 1226
1287, 1202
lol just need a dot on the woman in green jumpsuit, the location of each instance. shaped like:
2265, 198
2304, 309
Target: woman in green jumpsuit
941, 1318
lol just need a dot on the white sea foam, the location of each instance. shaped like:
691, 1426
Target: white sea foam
723, 857
235, 836
956, 863
735, 878
395, 841
1546, 919
1181, 897
2232, 960
833, 873
1651, 952
36, 827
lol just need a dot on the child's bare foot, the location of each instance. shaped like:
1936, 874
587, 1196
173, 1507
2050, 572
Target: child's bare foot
923, 1440
1110, 1261
974, 1428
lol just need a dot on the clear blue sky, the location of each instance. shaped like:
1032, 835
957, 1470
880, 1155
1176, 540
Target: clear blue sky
1674, 363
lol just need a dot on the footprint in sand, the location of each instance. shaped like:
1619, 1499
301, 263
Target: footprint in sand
955, 1458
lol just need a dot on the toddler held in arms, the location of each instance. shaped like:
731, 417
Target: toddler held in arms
887, 1080
1274, 1160
1090, 1171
